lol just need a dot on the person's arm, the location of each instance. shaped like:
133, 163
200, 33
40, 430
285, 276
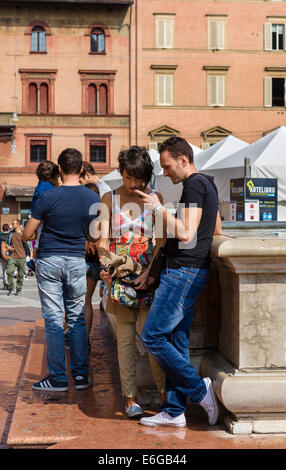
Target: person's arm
30, 231
160, 240
218, 225
103, 242
183, 228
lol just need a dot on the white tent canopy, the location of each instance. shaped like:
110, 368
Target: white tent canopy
218, 152
267, 160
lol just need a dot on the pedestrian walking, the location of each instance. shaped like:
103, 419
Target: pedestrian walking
166, 331
18, 251
66, 212
5, 254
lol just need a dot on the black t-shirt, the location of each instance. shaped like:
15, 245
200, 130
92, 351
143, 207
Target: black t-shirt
199, 190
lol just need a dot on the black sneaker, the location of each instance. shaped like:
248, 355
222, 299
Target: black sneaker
48, 384
18, 292
81, 382
10, 291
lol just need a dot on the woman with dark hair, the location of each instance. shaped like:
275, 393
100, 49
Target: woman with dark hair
127, 229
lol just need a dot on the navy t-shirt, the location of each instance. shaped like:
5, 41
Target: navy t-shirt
198, 189
67, 212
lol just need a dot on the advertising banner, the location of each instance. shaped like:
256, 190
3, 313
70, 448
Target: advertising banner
263, 190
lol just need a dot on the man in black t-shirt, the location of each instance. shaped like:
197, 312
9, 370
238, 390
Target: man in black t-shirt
167, 328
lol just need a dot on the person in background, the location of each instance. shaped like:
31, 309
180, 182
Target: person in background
92, 273
48, 175
88, 175
4, 253
18, 250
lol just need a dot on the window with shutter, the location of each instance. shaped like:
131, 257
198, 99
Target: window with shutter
32, 98
38, 91
44, 98
97, 91
274, 37
103, 105
216, 90
164, 89
92, 99
164, 33
216, 34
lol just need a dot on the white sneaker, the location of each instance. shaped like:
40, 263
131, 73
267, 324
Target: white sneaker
209, 403
164, 419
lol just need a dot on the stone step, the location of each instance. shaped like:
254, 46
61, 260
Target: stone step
14, 346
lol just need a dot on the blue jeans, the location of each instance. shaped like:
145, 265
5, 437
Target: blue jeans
166, 334
62, 288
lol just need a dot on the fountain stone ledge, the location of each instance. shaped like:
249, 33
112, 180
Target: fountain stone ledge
249, 364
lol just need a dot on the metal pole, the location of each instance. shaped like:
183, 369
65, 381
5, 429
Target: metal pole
247, 168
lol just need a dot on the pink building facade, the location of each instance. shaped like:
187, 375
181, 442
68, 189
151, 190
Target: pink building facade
103, 75
209, 69
64, 82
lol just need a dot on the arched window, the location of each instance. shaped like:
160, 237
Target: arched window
32, 98
38, 39
103, 105
92, 99
44, 98
97, 40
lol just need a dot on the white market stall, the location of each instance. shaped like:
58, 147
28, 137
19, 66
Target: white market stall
267, 159
218, 152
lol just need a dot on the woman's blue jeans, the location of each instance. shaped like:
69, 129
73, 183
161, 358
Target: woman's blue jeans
166, 334
62, 288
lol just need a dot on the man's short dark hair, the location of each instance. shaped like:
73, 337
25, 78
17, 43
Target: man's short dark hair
87, 168
70, 161
177, 146
5, 228
136, 162
47, 171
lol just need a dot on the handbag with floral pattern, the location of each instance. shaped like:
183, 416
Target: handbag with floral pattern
123, 292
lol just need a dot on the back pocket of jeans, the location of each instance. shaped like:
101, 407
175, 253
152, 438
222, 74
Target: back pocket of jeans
77, 281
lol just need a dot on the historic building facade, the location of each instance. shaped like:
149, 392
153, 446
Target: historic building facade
208, 69
102, 75
64, 80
